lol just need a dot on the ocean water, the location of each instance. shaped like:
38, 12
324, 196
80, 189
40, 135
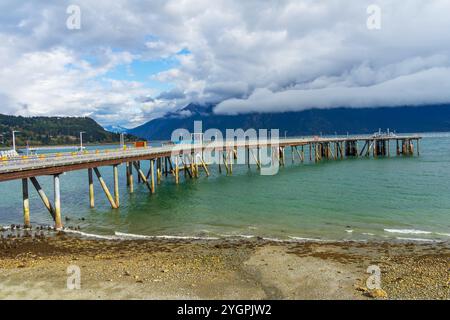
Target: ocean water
398, 198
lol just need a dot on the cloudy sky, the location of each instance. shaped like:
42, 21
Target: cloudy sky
132, 61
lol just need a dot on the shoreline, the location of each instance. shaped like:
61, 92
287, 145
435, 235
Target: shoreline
36, 268
402, 236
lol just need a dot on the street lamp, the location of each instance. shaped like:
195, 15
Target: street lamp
122, 140
14, 138
81, 140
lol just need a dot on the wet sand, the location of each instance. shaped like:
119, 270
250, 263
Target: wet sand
36, 268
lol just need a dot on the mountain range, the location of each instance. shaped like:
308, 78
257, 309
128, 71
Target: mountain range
430, 118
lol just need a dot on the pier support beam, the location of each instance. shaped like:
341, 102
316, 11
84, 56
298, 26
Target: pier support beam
116, 185
26, 204
105, 189
143, 177
57, 191
91, 189
152, 176
177, 177
43, 196
388, 142
205, 167
138, 167
130, 177
158, 170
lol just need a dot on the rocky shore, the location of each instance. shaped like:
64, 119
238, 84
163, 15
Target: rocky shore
37, 268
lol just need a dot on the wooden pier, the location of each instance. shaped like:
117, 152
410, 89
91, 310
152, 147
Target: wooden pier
167, 161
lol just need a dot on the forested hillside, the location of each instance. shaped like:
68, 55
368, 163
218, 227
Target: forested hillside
53, 131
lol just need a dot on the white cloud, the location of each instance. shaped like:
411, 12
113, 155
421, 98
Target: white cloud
258, 56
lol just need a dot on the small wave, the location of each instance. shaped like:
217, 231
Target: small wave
443, 234
275, 239
90, 235
246, 236
349, 231
306, 239
368, 234
407, 231
140, 236
417, 239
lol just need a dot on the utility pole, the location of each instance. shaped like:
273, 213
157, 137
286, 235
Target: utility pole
122, 140
81, 140
14, 138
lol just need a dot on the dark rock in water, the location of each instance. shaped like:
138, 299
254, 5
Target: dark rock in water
67, 218
82, 219
78, 228
60, 233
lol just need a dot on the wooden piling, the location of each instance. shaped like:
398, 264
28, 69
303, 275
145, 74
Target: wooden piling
165, 166
258, 156
205, 167
116, 185
191, 161
256, 159
292, 154
196, 165
105, 189
57, 195
158, 171
43, 196
26, 204
91, 188
127, 172
138, 163
388, 147
177, 178
130, 177
143, 177
152, 176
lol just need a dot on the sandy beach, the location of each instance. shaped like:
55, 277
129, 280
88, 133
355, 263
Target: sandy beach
36, 268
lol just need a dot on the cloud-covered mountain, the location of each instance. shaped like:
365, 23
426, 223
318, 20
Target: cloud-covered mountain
116, 129
308, 122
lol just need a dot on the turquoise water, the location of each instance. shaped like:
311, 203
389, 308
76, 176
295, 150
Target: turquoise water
351, 199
